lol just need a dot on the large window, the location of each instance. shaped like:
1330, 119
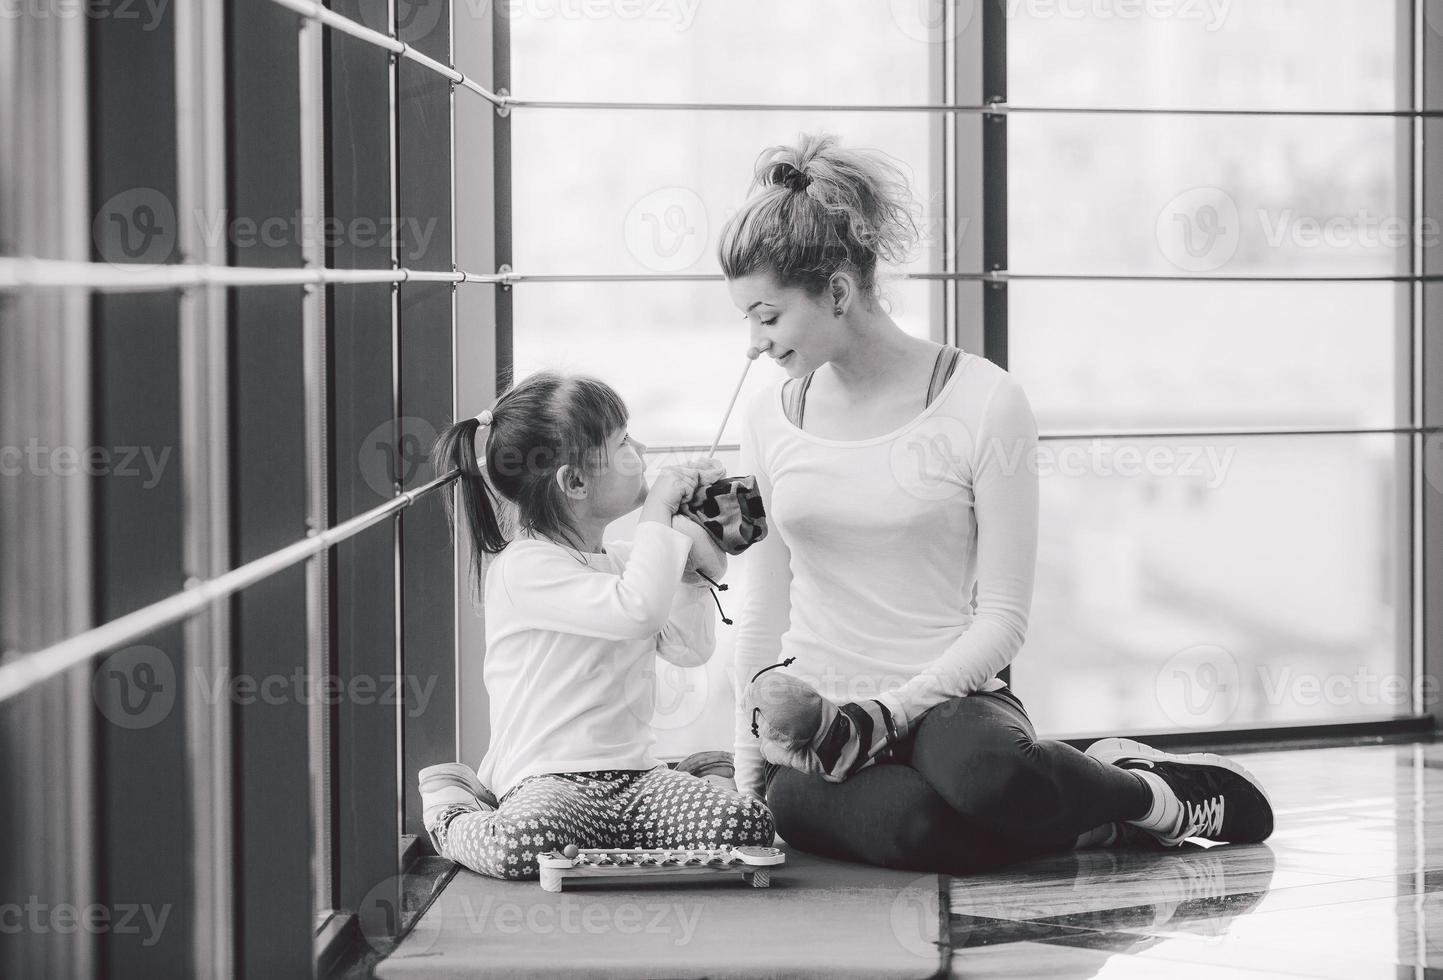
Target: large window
1226, 528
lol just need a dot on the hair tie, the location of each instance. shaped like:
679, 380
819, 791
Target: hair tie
796, 180
485, 417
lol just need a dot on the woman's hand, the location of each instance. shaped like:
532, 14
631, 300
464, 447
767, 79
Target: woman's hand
781, 752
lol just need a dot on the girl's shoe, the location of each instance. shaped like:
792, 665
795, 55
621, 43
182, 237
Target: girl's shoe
1221, 800
451, 786
712, 762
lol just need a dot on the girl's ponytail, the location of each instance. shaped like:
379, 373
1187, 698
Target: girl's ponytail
546, 422
471, 494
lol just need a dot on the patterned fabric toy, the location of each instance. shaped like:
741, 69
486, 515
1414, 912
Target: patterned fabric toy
732, 512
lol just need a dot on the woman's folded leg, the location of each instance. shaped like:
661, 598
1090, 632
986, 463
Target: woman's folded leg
886, 815
982, 756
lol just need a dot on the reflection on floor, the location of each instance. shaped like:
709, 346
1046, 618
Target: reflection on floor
1350, 886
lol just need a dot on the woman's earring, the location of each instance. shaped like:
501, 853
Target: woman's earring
837, 311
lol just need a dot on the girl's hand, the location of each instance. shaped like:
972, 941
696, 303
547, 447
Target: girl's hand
675, 485
706, 555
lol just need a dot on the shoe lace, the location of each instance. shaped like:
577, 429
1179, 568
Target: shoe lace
714, 588
756, 728
1203, 818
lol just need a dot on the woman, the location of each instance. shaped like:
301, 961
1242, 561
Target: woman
897, 474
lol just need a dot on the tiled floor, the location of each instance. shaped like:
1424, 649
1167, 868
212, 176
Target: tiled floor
1350, 886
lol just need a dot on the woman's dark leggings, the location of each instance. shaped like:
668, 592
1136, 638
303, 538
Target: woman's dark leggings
972, 788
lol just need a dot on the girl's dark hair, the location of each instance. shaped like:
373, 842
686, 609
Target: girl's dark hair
541, 424
815, 209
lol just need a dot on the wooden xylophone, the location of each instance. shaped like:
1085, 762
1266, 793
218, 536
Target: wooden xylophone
637, 865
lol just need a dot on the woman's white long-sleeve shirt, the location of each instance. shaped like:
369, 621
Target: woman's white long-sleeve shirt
571, 651
867, 573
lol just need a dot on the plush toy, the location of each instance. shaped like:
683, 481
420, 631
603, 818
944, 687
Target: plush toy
722, 518
731, 510
815, 735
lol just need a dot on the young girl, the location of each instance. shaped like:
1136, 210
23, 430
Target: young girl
572, 630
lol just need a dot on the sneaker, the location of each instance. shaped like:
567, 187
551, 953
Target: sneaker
712, 762
1221, 800
451, 786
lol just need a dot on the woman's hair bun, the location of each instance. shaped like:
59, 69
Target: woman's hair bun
789, 176
857, 209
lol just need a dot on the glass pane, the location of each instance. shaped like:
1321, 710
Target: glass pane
656, 187
1197, 195
1218, 54
1147, 355
1192, 585
673, 350
714, 51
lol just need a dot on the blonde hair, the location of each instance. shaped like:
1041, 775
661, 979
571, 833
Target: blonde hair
815, 209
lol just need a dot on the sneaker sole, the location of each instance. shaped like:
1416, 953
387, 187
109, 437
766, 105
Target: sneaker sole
1109, 750
454, 774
